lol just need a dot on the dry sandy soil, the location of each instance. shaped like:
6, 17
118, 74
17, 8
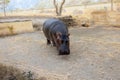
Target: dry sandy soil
95, 54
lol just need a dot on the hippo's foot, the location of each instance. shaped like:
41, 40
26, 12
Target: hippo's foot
48, 42
54, 45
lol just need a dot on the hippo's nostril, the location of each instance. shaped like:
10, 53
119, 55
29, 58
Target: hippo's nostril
67, 53
60, 52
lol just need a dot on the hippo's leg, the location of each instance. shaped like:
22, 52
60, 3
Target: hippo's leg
53, 42
48, 42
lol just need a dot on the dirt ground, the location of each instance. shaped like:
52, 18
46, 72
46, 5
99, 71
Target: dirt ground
95, 54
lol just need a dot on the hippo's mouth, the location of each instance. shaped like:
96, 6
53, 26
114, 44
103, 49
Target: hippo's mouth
64, 52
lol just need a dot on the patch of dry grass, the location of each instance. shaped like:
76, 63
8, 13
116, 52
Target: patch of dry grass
11, 73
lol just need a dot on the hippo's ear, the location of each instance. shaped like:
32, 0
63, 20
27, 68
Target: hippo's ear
68, 34
58, 35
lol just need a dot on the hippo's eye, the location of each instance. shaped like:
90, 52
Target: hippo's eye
66, 42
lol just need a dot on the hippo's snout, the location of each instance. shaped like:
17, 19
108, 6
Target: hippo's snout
64, 52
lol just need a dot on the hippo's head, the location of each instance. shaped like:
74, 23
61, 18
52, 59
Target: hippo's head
63, 44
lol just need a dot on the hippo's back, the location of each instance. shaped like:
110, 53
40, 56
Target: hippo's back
49, 22
52, 26
48, 25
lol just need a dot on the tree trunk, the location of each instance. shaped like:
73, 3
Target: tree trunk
58, 9
4, 8
61, 8
111, 5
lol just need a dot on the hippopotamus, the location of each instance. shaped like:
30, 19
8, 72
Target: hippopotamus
56, 32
